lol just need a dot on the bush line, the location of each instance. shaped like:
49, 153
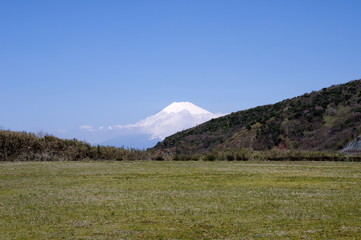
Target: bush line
23, 146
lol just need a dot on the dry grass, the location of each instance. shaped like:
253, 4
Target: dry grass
180, 200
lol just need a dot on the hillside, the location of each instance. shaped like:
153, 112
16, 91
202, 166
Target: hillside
320, 120
22, 146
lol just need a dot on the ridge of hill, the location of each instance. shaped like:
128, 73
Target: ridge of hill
321, 120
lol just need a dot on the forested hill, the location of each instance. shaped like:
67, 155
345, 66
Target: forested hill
322, 120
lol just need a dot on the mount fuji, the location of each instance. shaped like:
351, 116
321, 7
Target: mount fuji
146, 133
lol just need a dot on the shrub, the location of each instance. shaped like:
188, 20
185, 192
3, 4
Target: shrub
210, 157
22, 146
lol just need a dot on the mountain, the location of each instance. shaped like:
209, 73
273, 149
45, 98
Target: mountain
178, 107
146, 133
135, 141
320, 120
175, 117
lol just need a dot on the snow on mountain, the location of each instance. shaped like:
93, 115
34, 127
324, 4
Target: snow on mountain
187, 106
176, 117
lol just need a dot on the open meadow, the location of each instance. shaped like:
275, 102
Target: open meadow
180, 200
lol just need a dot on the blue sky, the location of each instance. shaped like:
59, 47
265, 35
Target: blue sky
64, 64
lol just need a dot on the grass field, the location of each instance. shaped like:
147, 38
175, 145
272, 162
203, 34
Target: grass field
180, 200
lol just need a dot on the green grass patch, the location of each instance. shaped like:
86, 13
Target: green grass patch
180, 200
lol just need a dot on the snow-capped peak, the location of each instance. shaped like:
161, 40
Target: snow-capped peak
176, 117
177, 107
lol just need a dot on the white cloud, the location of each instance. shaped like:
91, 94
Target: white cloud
88, 128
